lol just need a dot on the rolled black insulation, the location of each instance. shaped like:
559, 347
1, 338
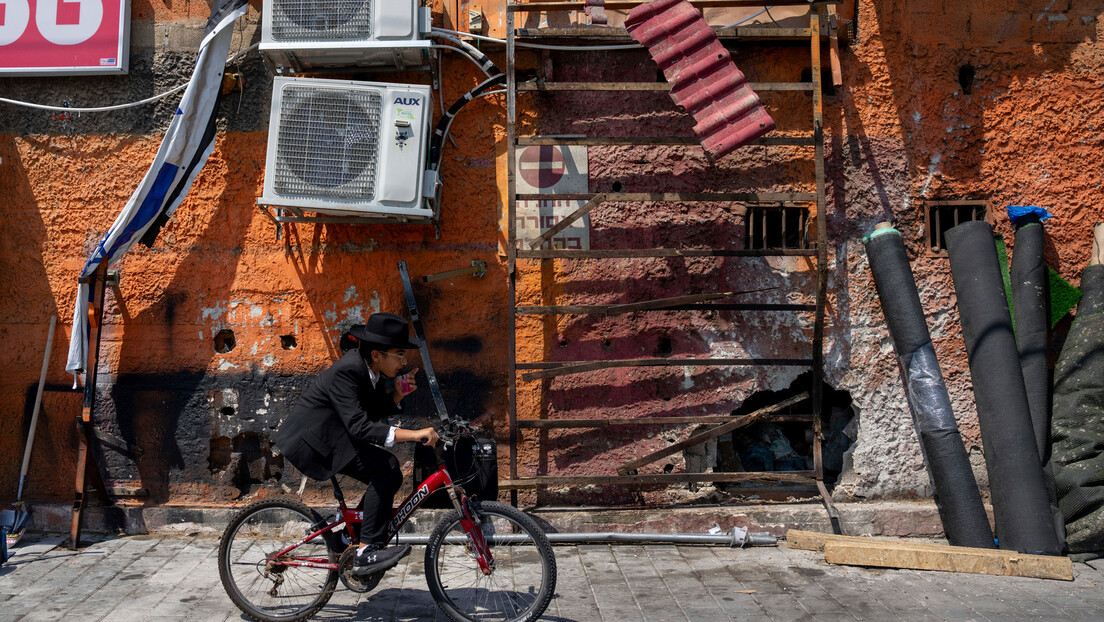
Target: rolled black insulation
956, 492
1016, 482
1030, 297
1029, 306
1078, 426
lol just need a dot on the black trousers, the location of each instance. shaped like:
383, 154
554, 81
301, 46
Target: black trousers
379, 469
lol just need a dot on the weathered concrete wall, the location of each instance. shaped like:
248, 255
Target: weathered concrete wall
900, 131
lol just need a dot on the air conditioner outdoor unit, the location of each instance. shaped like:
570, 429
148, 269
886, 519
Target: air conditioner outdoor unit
349, 148
306, 34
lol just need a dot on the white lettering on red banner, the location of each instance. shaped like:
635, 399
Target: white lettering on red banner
40, 37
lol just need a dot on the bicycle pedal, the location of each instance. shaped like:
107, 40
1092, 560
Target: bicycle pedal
359, 584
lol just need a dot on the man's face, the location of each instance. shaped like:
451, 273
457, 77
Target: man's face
390, 362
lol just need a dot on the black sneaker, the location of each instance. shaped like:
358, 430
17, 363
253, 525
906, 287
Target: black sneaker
376, 558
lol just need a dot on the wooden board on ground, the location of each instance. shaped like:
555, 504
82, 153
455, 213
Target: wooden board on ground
897, 553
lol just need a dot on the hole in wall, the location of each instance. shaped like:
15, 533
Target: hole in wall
617, 186
784, 442
224, 341
227, 411
663, 346
287, 342
966, 78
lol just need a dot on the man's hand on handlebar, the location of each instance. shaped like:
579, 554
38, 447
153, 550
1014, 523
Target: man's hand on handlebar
425, 436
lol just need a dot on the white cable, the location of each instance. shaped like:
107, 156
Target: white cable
540, 46
749, 17
175, 89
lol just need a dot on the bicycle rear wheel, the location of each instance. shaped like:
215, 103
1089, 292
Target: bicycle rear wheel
261, 584
523, 579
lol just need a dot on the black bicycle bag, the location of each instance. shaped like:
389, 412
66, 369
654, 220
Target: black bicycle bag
472, 463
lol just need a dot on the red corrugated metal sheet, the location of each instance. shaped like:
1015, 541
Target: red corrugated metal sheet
703, 78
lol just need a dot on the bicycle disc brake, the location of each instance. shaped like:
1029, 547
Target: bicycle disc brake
352, 582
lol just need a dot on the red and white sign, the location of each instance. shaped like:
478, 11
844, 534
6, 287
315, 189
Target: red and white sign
552, 169
62, 37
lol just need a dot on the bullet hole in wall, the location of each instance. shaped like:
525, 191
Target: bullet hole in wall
663, 346
224, 341
966, 78
287, 342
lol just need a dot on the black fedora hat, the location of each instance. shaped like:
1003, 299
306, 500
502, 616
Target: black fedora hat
384, 329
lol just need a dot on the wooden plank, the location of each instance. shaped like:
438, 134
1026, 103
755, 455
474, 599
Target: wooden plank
544, 424
647, 305
566, 222
605, 309
701, 437
647, 86
620, 34
635, 253
616, 5
686, 197
511, 245
801, 477
816, 541
949, 559
578, 367
609, 141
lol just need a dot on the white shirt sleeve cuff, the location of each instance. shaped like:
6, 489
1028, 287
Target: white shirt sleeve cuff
390, 442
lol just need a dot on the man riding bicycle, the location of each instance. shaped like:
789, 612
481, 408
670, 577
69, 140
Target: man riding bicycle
340, 425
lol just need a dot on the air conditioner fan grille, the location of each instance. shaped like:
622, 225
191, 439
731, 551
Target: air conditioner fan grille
328, 143
326, 20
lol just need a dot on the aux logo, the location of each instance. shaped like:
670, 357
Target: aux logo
408, 101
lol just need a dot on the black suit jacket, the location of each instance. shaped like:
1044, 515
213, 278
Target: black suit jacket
335, 414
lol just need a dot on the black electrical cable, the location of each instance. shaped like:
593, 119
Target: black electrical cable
435, 144
1016, 483
956, 492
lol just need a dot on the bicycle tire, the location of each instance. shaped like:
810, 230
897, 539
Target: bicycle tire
458, 585
258, 530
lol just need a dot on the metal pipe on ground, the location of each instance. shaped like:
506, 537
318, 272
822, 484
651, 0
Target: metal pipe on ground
737, 538
956, 492
1016, 483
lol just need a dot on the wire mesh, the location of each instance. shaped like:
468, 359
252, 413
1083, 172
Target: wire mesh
328, 20
328, 142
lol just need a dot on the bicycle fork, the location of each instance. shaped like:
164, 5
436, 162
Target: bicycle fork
470, 521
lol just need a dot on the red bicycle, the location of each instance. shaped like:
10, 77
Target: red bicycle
280, 560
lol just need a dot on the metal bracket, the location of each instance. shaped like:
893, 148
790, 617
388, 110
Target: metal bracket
423, 347
478, 268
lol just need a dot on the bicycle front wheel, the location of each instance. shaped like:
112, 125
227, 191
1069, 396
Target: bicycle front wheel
521, 583
266, 586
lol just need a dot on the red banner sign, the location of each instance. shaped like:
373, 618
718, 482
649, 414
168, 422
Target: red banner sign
59, 37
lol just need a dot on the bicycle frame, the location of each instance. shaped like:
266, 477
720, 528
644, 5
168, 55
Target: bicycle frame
437, 480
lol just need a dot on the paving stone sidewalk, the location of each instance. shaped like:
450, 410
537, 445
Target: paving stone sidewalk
176, 578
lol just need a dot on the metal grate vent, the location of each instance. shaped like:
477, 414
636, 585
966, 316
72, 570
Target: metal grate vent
941, 216
776, 227
328, 143
325, 20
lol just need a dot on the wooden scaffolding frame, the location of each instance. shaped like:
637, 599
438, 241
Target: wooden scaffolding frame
543, 369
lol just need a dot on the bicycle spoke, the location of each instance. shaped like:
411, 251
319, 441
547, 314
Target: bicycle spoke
520, 584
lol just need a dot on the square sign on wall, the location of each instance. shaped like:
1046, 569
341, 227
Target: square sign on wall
552, 170
64, 37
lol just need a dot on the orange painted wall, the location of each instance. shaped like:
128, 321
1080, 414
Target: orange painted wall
899, 131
